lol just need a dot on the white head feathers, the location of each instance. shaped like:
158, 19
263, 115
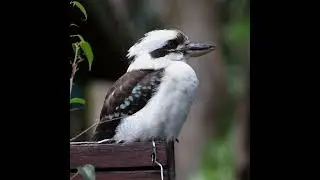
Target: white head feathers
153, 40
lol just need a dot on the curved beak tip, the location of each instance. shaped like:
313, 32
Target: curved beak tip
212, 47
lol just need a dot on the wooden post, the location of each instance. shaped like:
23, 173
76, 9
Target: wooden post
124, 161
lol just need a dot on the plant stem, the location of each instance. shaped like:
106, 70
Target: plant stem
74, 68
74, 175
76, 109
71, 82
83, 132
94, 124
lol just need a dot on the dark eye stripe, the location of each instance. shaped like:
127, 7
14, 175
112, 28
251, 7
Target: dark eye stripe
171, 44
159, 53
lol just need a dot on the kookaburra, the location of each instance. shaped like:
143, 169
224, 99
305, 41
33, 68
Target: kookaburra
152, 99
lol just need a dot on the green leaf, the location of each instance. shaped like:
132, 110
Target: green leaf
77, 100
86, 48
87, 172
82, 9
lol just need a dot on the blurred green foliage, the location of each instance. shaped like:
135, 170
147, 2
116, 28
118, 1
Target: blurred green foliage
87, 172
218, 162
219, 154
235, 38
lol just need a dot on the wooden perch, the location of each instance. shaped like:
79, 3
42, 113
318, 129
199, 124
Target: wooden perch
120, 162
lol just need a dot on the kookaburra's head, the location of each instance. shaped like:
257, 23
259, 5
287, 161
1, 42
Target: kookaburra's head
159, 48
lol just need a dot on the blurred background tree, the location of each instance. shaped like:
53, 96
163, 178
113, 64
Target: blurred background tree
214, 143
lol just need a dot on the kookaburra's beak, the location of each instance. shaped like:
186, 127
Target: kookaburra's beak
198, 49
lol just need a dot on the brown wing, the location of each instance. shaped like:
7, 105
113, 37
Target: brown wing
129, 94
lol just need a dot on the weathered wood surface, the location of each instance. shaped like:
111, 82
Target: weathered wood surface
124, 161
134, 175
116, 156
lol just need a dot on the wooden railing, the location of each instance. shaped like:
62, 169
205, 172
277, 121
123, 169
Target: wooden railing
129, 161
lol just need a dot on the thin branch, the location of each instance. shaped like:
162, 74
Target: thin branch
74, 68
72, 24
76, 109
83, 142
71, 82
80, 59
74, 138
74, 175
96, 123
